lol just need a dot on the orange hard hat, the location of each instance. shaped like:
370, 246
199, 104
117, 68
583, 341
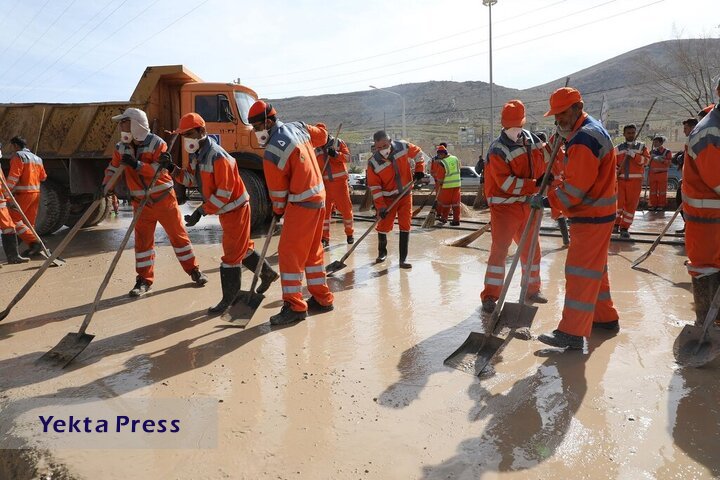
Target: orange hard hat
190, 121
441, 148
259, 111
562, 99
513, 114
321, 125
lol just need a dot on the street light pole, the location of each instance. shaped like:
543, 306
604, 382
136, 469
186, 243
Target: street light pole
404, 130
489, 4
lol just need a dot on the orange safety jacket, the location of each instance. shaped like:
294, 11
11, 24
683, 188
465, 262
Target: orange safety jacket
437, 171
588, 191
215, 174
701, 172
291, 168
631, 160
137, 180
660, 159
510, 173
337, 166
386, 177
26, 172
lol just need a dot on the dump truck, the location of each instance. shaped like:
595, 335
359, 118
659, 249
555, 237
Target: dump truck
76, 141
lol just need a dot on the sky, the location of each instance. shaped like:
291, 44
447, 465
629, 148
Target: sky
92, 51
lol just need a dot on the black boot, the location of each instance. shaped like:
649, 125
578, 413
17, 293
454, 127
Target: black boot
9, 242
404, 241
287, 316
267, 274
382, 248
230, 283
562, 224
703, 292
34, 249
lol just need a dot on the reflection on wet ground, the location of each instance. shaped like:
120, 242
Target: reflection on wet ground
362, 392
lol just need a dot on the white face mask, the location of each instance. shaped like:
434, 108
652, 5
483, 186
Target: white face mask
385, 152
192, 145
513, 133
262, 137
125, 137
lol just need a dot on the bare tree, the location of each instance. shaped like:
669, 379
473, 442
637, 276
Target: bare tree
687, 73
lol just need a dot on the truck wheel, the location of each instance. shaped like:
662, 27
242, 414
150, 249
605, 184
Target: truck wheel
259, 199
77, 210
53, 209
673, 185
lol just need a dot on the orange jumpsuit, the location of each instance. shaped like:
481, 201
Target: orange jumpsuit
447, 198
701, 197
7, 226
631, 161
510, 179
587, 197
386, 178
215, 174
24, 178
660, 159
297, 192
337, 194
162, 206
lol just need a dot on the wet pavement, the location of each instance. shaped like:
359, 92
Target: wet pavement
362, 392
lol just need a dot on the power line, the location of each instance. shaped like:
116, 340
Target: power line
15, 39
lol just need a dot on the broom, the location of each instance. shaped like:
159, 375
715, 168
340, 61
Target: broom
430, 219
419, 209
468, 239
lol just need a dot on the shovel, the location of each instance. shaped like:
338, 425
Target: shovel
60, 248
74, 343
338, 265
479, 348
58, 261
697, 345
652, 248
245, 304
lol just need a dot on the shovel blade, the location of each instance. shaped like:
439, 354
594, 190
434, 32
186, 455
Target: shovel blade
335, 266
475, 353
640, 260
66, 350
693, 349
240, 314
517, 315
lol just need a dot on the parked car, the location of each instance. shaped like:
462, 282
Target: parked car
427, 182
674, 177
356, 181
469, 177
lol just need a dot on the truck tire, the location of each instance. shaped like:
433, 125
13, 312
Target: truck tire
259, 199
77, 210
673, 185
53, 209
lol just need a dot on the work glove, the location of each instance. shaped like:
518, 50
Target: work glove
332, 152
383, 212
165, 161
129, 160
278, 217
418, 176
194, 218
539, 181
100, 193
539, 202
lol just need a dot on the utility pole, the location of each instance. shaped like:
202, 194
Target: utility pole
489, 4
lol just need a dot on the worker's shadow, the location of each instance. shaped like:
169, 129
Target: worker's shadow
357, 277
684, 285
693, 403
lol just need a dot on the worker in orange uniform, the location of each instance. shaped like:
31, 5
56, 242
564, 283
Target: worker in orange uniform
557, 178
393, 166
513, 171
24, 178
587, 197
701, 202
7, 227
679, 161
446, 172
335, 179
660, 158
140, 151
631, 158
296, 189
215, 174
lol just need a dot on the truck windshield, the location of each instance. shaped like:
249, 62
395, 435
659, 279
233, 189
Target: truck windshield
244, 102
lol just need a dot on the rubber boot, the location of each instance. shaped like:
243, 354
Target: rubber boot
267, 274
562, 224
704, 289
382, 247
404, 241
287, 316
34, 249
9, 242
230, 283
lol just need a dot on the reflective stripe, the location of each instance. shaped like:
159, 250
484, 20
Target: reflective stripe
390, 193
291, 277
157, 188
231, 265
316, 281
223, 193
182, 258
26, 188
534, 268
703, 270
500, 200
299, 197
336, 175
373, 187
700, 202
604, 296
291, 289
279, 204
494, 269
562, 196
315, 269
377, 195
20, 229
583, 272
630, 175
147, 253
493, 281
278, 193
182, 249
13, 179
582, 306
573, 190
600, 202
8, 230
216, 201
508, 182
144, 264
